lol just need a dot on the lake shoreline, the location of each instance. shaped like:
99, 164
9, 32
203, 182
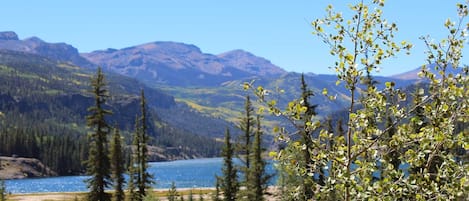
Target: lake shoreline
186, 174
16, 168
161, 194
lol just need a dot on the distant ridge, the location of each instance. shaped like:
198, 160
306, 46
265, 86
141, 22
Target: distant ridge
57, 51
413, 74
182, 64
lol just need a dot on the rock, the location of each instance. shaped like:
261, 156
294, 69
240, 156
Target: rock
20, 168
8, 35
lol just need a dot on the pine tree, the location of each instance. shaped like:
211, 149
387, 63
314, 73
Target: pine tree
133, 170
140, 178
131, 186
307, 183
229, 183
246, 125
258, 177
145, 177
98, 165
117, 165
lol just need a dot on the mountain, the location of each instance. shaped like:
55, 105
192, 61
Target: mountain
43, 106
207, 88
248, 62
179, 64
68, 55
212, 84
56, 51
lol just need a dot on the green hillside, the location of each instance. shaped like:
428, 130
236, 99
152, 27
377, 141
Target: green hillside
43, 105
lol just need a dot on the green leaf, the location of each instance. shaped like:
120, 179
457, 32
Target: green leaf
324, 91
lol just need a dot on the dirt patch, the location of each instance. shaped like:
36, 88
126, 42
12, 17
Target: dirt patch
44, 197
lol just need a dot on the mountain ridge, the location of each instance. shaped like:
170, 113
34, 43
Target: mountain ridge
236, 58
160, 61
208, 83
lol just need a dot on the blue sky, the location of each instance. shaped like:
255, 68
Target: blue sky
277, 30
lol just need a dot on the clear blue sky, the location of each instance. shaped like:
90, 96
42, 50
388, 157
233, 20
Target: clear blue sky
277, 30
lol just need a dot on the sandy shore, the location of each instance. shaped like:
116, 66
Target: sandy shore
159, 193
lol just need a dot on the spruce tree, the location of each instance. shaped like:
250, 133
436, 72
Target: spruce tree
246, 125
117, 165
258, 177
133, 170
229, 183
141, 179
145, 177
307, 183
98, 165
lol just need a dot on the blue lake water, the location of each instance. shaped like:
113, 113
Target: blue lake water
185, 173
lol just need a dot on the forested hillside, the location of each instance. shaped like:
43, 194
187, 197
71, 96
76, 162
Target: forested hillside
43, 107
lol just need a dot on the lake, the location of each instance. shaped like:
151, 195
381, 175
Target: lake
185, 173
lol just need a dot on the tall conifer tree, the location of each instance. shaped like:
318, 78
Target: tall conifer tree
229, 182
245, 144
141, 179
307, 183
117, 165
146, 178
133, 170
258, 178
98, 165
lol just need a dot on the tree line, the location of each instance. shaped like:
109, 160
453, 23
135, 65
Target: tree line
249, 151
100, 167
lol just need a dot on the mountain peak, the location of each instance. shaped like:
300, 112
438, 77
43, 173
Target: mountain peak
55, 51
8, 35
168, 47
237, 53
251, 63
413, 74
34, 39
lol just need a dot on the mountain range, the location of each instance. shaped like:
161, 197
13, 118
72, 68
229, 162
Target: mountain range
206, 86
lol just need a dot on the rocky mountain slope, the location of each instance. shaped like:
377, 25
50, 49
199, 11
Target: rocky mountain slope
54, 51
179, 64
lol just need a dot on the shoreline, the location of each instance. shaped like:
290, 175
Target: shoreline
21, 175
84, 192
160, 194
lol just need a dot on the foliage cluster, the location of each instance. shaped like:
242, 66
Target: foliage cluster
389, 150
